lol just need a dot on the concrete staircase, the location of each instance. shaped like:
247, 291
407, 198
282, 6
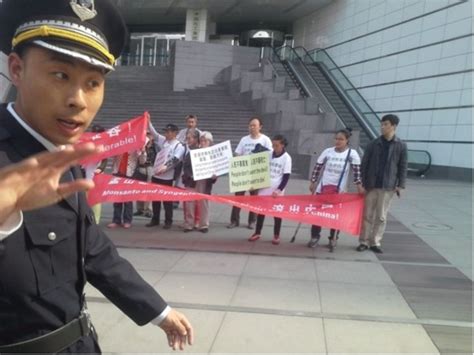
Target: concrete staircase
132, 90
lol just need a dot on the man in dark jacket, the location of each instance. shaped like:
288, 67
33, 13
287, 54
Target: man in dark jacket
383, 172
59, 52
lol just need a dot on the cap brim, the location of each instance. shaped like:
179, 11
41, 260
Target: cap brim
74, 52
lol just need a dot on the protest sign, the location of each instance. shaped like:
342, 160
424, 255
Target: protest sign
249, 172
214, 160
160, 160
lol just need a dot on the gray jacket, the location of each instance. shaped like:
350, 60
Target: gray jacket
395, 170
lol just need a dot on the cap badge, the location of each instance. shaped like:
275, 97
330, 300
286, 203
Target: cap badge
84, 9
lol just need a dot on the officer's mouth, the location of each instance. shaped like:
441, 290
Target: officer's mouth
69, 127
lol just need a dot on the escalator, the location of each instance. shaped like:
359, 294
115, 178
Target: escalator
318, 82
319, 77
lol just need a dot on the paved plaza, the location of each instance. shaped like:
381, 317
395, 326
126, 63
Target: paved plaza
259, 298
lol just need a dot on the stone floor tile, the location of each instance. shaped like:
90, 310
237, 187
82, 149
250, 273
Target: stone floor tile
261, 333
211, 263
279, 294
350, 336
197, 288
280, 267
368, 300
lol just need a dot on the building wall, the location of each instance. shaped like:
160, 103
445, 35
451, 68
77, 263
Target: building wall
409, 57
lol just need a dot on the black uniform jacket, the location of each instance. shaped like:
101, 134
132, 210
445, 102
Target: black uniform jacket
45, 264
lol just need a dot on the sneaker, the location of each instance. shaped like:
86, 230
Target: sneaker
152, 223
276, 240
376, 249
204, 230
138, 213
112, 225
313, 242
232, 225
251, 225
127, 225
186, 230
167, 226
254, 237
362, 247
148, 214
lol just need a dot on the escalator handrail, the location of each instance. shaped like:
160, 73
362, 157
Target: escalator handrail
423, 171
343, 75
371, 131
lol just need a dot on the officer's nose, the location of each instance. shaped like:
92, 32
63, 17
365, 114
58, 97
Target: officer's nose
76, 98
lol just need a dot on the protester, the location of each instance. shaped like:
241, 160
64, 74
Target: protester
280, 170
246, 146
204, 186
144, 172
58, 64
124, 166
192, 141
165, 173
383, 171
191, 123
93, 169
331, 174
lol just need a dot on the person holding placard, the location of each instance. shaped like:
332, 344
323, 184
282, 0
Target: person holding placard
246, 146
280, 170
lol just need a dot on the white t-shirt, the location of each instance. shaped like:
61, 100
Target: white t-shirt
176, 150
278, 167
247, 144
334, 164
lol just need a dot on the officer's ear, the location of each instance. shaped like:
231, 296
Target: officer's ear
16, 67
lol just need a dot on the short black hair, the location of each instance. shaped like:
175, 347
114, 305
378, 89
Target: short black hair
280, 138
394, 120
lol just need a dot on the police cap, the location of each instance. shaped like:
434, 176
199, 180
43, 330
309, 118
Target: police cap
89, 30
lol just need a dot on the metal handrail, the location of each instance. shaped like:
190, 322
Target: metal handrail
296, 56
420, 168
318, 52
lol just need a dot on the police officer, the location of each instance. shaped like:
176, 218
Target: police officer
58, 54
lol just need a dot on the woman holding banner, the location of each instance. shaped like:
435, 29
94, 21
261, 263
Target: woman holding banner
332, 172
280, 170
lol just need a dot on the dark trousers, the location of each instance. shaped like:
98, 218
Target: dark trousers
276, 226
316, 232
168, 205
235, 215
123, 211
85, 345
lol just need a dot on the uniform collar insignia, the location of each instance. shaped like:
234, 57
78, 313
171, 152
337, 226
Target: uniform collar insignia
84, 9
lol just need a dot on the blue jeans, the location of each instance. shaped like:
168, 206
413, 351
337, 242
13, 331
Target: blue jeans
125, 209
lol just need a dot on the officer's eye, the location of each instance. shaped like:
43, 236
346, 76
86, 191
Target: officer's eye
94, 84
60, 75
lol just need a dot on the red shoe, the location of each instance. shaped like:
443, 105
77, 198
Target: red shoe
254, 237
276, 240
126, 225
112, 225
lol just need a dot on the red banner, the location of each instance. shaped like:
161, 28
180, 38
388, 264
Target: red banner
338, 211
126, 137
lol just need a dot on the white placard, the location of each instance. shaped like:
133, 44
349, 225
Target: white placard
214, 160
